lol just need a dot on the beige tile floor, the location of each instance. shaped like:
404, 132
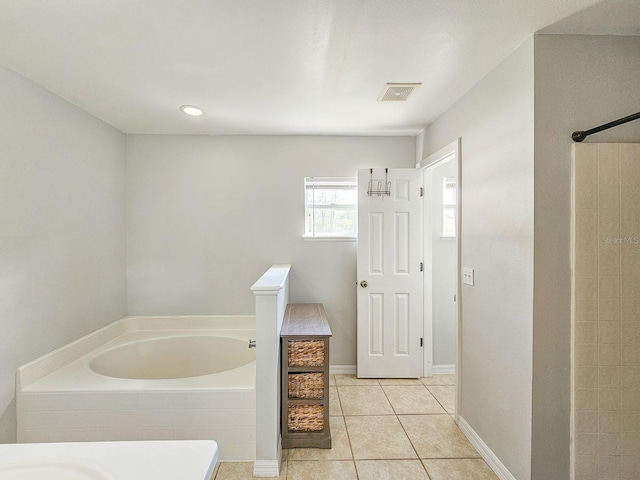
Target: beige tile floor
393, 429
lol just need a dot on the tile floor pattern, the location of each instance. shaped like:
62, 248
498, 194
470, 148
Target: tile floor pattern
381, 429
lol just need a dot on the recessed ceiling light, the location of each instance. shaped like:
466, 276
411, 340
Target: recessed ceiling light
192, 110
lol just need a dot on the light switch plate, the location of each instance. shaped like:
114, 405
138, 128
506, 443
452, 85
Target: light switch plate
467, 276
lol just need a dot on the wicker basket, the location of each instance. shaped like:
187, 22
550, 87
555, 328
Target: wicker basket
306, 385
305, 418
306, 353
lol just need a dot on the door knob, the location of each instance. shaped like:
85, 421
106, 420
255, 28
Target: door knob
364, 284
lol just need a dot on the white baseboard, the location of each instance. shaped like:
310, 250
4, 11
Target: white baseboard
492, 460
351, 369
441, 369
342, 369
268, 468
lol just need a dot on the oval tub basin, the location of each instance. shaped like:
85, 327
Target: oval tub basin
52, 469
167, 460
173, 357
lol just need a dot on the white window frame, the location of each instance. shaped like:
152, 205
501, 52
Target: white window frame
449, 206
350, 183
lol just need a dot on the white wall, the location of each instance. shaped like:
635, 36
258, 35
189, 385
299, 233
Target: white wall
62, 240
208, 215
495, 120
580, 82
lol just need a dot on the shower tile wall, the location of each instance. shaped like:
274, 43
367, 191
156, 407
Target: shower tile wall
606, 311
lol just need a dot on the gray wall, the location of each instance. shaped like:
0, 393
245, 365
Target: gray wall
580, 82
208, 215
495, 121
62, 241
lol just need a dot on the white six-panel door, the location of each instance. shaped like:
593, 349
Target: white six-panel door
389, 277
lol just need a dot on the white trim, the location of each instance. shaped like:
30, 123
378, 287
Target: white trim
450, 151
492, 460
458, 147
427, 282
269, 468
443, 369
272, 281
266, 468
441, 155
330, 239
419, 147
342, 369
271, 296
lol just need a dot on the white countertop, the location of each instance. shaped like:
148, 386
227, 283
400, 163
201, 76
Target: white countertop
156, 460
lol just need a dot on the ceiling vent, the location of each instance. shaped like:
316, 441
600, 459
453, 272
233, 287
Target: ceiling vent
397, 92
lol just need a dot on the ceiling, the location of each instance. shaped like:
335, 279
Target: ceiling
269, 66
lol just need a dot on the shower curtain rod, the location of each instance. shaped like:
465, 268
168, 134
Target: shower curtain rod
580, 136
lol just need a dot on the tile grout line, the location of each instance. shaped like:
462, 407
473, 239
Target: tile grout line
438, 400
395, 414
286, 464
344, 420
405, 431
389, 401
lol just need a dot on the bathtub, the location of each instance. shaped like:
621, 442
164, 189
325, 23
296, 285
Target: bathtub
146, 378
166, 460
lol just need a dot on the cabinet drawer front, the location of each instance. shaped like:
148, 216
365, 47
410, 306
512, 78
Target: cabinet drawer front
305, 353
306, 385
305, 418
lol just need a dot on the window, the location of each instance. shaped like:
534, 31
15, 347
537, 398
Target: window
331, 207
449, 207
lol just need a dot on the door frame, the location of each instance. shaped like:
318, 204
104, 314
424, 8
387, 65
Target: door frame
444, 154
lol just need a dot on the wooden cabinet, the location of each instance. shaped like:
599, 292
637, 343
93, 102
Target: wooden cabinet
305, 338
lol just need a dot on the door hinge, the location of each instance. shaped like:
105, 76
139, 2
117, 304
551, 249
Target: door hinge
421, 341
421, 192
421, 266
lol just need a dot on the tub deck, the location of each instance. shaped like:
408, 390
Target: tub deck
60, 399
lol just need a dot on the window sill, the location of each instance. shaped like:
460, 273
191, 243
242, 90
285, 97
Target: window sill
330, 239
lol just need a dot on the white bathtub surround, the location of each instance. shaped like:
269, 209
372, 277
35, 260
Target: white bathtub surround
186, 460
272, 295
60, 397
